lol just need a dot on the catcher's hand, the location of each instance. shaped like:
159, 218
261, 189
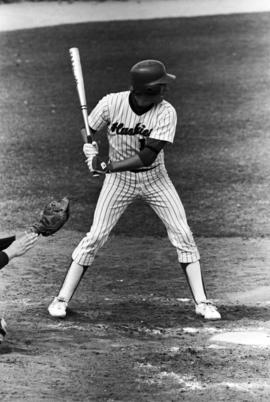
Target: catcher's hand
52, 218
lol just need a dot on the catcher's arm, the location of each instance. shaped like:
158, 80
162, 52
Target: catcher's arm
21, 245
6, 242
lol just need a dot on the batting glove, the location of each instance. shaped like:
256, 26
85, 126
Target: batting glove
90, 150
98, 165
89, 162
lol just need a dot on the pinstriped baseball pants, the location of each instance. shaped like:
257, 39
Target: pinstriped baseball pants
119, 190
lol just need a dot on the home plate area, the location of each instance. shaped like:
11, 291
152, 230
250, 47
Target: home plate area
252, 338
244, 336
257, 336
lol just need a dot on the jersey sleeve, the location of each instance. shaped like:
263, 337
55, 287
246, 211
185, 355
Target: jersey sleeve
5, 242
3, 259
100, 116
166, 125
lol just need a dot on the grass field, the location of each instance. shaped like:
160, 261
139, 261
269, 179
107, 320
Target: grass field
125, 338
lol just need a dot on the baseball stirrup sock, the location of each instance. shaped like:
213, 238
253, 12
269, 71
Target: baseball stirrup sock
71, 281
184, 267
85, 267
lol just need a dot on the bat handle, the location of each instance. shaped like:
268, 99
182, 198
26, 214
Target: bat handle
86, 136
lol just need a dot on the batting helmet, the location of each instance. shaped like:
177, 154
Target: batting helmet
148, 75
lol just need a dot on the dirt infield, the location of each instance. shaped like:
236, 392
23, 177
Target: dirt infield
131, 333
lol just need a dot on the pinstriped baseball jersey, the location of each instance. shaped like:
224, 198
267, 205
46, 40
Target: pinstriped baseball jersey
127, 131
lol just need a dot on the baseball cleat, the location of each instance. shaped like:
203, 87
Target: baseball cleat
58, 307
208, 310
3, 329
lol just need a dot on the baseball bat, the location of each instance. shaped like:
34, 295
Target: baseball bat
79, 81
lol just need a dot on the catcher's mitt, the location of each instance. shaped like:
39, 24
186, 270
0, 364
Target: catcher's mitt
52, 218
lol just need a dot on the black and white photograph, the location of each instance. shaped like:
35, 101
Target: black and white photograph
135, 200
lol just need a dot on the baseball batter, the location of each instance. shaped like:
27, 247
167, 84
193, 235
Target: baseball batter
140, 122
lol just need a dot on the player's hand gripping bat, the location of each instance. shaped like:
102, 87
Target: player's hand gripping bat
78, 76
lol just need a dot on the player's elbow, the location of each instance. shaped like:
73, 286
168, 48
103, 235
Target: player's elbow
147, 156
149, 162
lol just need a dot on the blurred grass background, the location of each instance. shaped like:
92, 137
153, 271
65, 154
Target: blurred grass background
220, 159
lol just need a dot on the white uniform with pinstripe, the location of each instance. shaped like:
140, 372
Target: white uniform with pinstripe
127, 132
